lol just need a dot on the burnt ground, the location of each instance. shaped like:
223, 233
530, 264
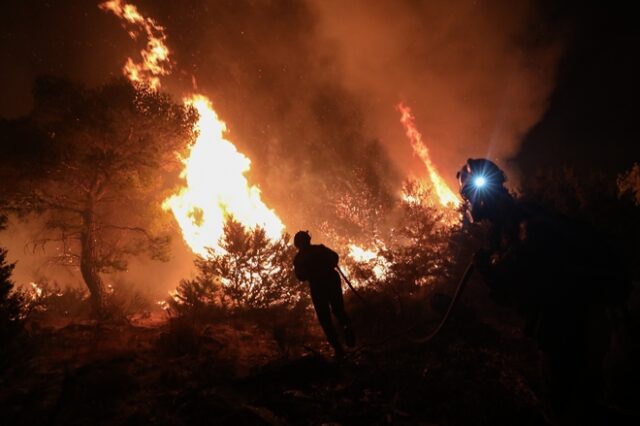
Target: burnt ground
479, 370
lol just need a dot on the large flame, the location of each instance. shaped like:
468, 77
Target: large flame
216, 186
445, 195
214, 171
155, 56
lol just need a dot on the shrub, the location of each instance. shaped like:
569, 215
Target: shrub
198, 297
253, 271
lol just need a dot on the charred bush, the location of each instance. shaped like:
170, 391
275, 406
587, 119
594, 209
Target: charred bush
187, 335
123, 299
194, 304
198, 298
287, 325
45, 300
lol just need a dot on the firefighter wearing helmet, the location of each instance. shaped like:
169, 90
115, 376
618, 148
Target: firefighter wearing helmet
317, 264
482, 188
567, 286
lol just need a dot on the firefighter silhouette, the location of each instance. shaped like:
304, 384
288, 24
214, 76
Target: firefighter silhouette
316, 264
565, 283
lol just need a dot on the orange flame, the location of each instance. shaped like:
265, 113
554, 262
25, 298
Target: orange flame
214, 171
361, 255
155, 56
216, 187
445, 195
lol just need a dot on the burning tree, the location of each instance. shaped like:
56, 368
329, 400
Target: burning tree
100, 158
421, 251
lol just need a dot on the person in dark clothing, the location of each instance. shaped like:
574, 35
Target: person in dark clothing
562, 279
316, 264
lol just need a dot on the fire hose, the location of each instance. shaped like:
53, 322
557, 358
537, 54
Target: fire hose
456, 297
346, 280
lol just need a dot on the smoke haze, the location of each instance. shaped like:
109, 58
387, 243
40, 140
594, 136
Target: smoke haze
309, 89
477, 74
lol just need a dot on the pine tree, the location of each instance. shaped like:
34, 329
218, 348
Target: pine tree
11, 302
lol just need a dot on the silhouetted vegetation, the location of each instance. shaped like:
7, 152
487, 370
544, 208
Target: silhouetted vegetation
629, 183
597, 200
91, 162
48, 299
11, 306
251, 272
250, 281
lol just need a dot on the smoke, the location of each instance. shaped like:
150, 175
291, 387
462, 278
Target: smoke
36, 261
308, 89
477, 74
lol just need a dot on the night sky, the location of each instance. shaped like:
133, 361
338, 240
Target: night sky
591, 122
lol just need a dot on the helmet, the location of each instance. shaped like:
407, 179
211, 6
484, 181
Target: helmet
302, 239
482, 187
479, 176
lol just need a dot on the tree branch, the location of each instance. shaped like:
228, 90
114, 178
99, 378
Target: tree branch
128, 228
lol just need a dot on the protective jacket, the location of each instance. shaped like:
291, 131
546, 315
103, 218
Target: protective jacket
316, 263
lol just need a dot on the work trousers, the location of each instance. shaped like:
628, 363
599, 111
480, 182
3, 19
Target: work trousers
326, 295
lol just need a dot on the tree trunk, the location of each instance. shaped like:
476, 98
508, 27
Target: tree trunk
89, 260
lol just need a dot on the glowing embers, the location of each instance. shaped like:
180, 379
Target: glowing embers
216, 187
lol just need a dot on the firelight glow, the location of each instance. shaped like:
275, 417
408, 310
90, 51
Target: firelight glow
216, 187
359, 254
446, 196
362, 255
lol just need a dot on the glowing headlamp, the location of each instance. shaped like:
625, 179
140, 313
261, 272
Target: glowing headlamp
479, 181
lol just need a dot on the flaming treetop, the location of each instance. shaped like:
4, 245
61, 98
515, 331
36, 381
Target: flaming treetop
155, 56
214, 171
216, 187
445, 195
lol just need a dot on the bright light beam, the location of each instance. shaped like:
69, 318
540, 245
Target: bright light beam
480, 181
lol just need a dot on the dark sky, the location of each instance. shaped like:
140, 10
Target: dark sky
592, 119
70, 38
